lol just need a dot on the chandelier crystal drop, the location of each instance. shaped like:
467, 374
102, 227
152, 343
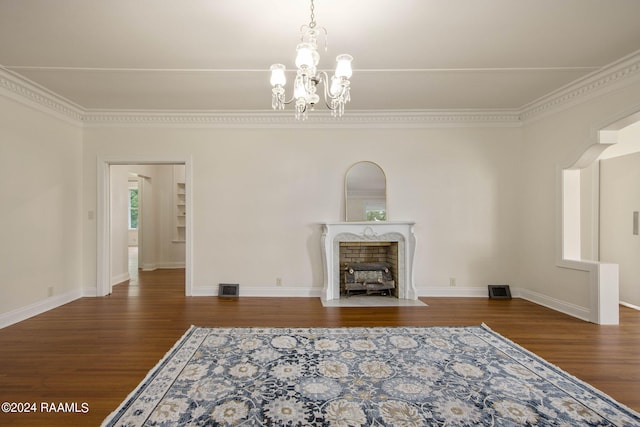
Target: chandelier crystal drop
308, 78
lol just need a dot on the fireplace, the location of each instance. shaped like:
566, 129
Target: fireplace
391, 243
368, 267
368, 278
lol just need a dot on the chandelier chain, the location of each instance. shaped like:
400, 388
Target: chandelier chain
312, 23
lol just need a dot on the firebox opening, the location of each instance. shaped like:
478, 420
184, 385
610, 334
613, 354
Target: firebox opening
370, 256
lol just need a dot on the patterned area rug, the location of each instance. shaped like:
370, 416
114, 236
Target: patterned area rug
361, 377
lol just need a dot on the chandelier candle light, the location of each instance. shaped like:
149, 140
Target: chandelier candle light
308, 77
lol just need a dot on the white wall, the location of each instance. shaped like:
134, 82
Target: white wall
119, 184
628, 142
260, 195
554, 142
589, 188
41, 192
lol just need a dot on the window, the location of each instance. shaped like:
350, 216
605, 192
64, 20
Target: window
133, 208
375, 212
376, 215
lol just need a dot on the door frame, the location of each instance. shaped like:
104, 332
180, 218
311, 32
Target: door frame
103, 238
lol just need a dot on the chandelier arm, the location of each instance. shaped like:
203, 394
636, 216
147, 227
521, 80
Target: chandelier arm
324, 79
289, 101
304, 29
326, 94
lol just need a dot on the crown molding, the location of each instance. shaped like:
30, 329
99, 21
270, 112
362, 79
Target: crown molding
29, 93
624, 71
616, 75
269, 119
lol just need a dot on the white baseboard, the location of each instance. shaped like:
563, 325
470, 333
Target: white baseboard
169, 265
540, 299
119, 279
89, 291
156, 266
50, 303
257, 291
581, 313
626, 304
453, 291
204, 291
23, 313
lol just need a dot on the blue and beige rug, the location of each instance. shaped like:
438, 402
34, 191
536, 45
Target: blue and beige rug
361, 377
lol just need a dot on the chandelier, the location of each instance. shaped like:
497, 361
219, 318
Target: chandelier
308, 78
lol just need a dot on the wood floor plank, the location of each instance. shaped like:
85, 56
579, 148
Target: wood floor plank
97, 350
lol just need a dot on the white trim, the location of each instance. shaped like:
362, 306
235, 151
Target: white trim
257, 291
282, 120
455, 291
573, 310
115, 280
624, 71
170, 265
103, 284
162, 265
89, 291
614, 76
103, 229
626, 304
39, 98
577, 311
23, 313
595, 212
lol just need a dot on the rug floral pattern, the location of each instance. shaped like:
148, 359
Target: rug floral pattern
343, 377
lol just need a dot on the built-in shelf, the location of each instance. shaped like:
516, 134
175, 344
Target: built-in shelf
180, 205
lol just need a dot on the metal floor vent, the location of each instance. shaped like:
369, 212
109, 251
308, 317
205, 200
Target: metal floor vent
499, 292
229, 290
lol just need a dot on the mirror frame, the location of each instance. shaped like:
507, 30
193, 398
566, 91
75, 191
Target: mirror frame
346, 192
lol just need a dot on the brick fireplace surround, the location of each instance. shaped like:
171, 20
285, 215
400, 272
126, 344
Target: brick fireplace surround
379, 239
369, 252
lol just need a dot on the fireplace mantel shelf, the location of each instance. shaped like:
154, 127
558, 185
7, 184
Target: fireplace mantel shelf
365, 223
368, 231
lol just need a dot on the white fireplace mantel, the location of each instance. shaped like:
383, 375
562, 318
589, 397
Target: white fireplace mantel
383, 231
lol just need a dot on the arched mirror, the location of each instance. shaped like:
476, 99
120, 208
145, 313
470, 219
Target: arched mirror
365, 190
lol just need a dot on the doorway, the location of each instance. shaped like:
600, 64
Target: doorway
133, 215
164, 196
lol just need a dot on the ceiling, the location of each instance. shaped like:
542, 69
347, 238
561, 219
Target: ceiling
214, 55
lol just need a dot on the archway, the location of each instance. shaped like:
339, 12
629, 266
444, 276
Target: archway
580, 220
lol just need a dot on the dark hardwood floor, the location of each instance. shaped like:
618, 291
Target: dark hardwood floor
96, 350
